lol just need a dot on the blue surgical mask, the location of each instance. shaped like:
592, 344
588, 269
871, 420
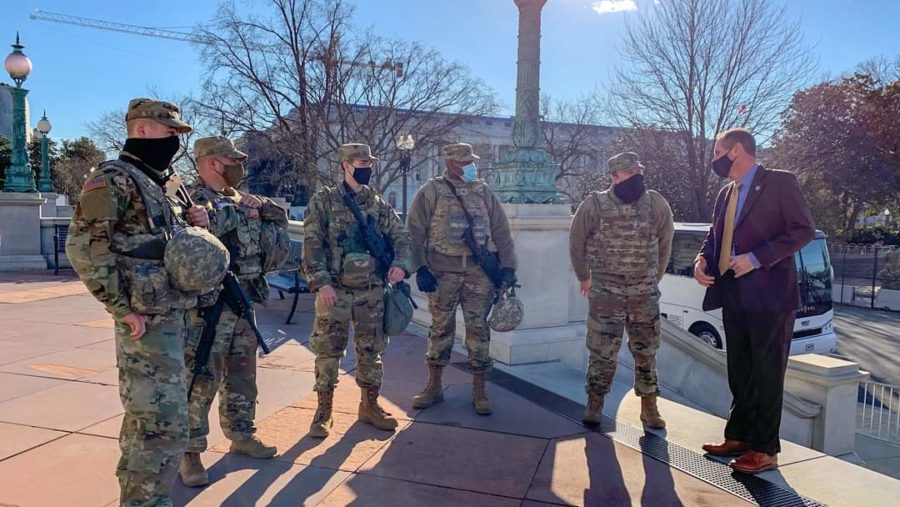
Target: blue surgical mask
470, 173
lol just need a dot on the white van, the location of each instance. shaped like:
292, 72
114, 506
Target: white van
681, 299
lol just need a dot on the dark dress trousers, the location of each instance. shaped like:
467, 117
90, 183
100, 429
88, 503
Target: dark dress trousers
758, 309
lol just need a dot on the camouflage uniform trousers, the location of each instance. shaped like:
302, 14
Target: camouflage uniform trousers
613, 306
155, 428
364, 308
232, 369
472, 290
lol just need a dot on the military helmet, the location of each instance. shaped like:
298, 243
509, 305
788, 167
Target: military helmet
196, 260
507, 312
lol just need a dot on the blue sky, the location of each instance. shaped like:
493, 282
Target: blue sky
81, 72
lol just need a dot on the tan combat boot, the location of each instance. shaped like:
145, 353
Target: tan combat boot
593, 411
479, 396
322, 421
372, 413
433, 393
191, 470
253, 447
650, 413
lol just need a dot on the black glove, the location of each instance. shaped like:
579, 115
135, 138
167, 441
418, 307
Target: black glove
509, 277
425, 280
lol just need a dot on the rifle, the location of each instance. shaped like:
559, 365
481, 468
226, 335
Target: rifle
374, 241
379, 246
233, 295
489, 261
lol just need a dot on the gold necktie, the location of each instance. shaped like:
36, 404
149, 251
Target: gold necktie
728, 230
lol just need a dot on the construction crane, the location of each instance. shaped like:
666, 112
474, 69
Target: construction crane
146, 31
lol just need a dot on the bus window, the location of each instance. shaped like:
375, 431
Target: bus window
685, 247
814, 270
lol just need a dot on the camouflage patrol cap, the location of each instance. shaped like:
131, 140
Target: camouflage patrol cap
164, 112
623, 161
459, 152
217, 145
355, 151
195, 260
507, 312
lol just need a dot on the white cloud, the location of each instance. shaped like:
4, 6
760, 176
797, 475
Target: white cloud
608, 6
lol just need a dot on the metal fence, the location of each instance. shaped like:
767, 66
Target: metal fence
863, 275
878, 411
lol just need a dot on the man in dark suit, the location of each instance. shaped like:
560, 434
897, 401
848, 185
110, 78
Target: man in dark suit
747, 265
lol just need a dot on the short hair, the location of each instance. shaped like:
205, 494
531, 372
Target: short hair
738, 135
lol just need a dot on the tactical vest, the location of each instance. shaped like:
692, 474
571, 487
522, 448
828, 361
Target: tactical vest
624, 244
351, 264
244, 239
448, 222
140, 255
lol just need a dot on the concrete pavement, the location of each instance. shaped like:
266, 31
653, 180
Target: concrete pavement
60, 415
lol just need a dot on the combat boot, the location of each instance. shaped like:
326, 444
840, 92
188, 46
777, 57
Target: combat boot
434, 392
253, 447
191, 470
593, 411
322, 422
372, 413
650, 413
479, 396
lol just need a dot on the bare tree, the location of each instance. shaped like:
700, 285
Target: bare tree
698, 67
303, 79
577, 142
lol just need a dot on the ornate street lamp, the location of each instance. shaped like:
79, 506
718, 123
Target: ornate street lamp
19, 177
405, 145
42, 134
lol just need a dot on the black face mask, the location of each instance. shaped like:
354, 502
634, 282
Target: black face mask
156, 153
722, 166
362, 175
631, 189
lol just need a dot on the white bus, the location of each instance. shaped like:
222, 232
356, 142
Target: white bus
682, 297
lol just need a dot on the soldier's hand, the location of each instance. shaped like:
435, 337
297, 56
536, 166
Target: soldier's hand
509, 277
328, 295
396, 274
700, 273
197, 216
586, 287
251, 201
137, 323
425, 280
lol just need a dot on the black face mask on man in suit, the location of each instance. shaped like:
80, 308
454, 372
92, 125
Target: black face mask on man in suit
722, 165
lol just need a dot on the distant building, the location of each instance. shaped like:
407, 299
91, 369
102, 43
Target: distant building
489, 135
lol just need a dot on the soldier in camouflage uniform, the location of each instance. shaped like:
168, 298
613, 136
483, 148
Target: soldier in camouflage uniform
128, 208
348, 287
446, 272
237, 219
620, 242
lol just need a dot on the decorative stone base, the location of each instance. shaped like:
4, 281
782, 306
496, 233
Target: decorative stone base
527, 176
22, 263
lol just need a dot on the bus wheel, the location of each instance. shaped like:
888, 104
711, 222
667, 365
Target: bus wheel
707, 334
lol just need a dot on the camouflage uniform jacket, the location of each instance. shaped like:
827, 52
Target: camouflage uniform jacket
333, 249
610, 237
230, 222
436, 224
120, 211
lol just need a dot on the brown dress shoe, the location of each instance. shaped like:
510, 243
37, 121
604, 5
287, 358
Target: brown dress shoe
754, 462
727, 448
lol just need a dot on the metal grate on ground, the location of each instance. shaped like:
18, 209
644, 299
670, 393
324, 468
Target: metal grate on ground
720, 475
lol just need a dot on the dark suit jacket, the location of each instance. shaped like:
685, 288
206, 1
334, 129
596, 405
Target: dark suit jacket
774, 224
